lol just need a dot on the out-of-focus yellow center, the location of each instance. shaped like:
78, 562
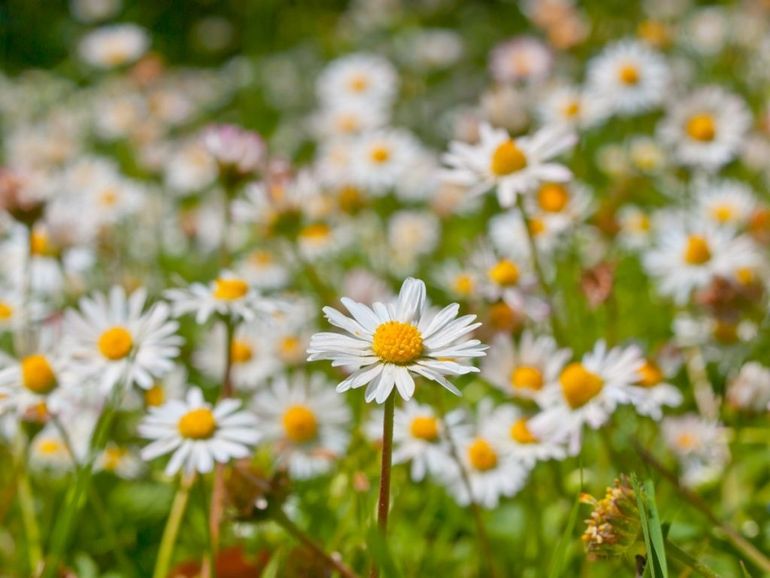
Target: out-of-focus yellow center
38, 243
650, 374
6, 311
553, 197
315, 232
745, 275
572, 109
502, 317
686, 441
300, 424
697, 251
115, 343
358, 83
579, 385
197, 424
396, 342
350, 198
723, 212
527, 377
424, 427
504, 273
51, 447
379, 154
240, 351
230, 288
536, 226
628, 74
507, 158
482, 455
37, 374
521, 433
701, 127
155, 396
113, 457
463, 284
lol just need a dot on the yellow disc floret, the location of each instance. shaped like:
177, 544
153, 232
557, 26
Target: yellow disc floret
230, 288
629, 74
300, 424
650, 374
701, 127
197, 424
521, 433
527, 377
424, 427
507, 158
397, 342
552, 197
579, 385
504, 273
115, 343
240, 351
37, 374
155, 396
697, 251
481, 455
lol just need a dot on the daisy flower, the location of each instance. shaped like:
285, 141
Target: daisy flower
122, 461
381, 157
523, 59
587, 392
114, 45
197, 433
699, 444
228, 295
523, 369
348, 118
389, 343
491, 472
307, 422
420, 439
750, 388
707, 129
358, 77
653, 392
628, 78
727, 202
237, 151
516, 439
571, 106
112, 338
459, 281
514, 166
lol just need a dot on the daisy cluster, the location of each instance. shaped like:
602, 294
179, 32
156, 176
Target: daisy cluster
537, 250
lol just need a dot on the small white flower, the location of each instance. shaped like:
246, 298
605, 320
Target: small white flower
114, 45
388, 343
750, 389
522, 59
197, 433
359, 77
653, 393
513, 435
381, 157
700, 446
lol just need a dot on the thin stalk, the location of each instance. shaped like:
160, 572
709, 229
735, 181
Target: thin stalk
27, 507
676, 553
335, 565
739, 542
171, 531
383, 503
539, 272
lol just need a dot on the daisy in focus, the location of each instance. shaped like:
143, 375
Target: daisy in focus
514, 166
198, 434
387, 344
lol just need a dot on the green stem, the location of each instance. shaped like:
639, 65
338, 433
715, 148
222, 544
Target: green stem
171, 530
676, 553
383, 503
27, 507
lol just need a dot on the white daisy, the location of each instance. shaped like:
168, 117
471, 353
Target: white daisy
227, 295
522, 59
653, 393
524, 369
707, 129
359, 77
515, 438
113, 339
628, 78
307, 422
390, 342
197, 433
122, 461
514, 166
750, 388
571, 106
587, 392
726, 202
381, 157
699, 444
114, 45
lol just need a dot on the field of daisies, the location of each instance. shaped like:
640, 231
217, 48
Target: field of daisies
385, 289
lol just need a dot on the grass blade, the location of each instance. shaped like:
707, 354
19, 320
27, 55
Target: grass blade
561, 550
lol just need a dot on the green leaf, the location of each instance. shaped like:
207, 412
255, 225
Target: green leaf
651, 528
559, 554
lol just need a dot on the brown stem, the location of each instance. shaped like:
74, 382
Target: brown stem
311, 545
738, 541
383, 503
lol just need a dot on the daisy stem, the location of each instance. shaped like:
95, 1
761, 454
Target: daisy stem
335, 565
27, 507
383, 503
539, 273
171, 531
733, 536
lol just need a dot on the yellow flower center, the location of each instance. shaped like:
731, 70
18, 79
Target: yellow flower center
240, 351
502, 317
507, 158
697, 251
536, 226
463, 284
650, 374
482, 455
230, 288
38, 243
113, 456
572, 109
348, 123
723, 213
396, 342
350, 198
701, 127
628, 74
37, 374
115, 343
315, 232
745, 275
289, 347
108, 197
579, 386
6, 311
424, 427
50, 447
261, 258
197, 424
552, 197
155, 396
640, 223
379, 154
520, 432
504, 273
527, 377
300, 424
358, 83
686, 441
